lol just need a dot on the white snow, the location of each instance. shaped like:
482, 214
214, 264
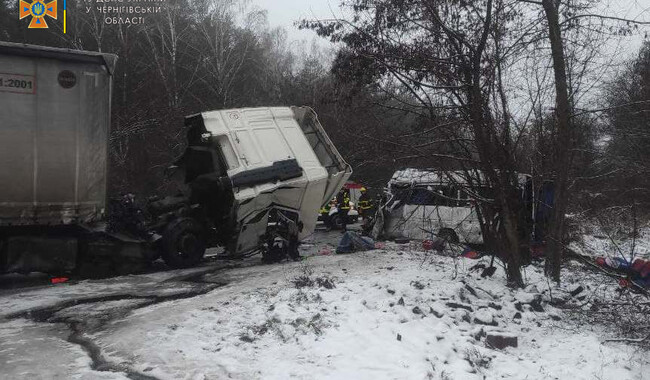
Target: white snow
30, 350
393, 313
600, 241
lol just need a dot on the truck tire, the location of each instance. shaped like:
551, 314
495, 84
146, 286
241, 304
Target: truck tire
183, 244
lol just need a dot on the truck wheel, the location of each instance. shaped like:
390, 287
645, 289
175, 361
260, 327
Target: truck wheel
183, 244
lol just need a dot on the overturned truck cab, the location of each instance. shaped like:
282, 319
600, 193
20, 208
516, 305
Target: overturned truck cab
247, 166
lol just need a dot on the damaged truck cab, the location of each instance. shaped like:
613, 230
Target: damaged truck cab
244, 165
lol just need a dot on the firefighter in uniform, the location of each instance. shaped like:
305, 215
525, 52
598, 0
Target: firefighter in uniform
365, 204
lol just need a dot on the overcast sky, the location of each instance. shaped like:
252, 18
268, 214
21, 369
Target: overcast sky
285, 12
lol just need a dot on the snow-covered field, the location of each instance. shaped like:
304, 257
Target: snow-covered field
395, 313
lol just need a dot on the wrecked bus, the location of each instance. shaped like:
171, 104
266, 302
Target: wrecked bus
240, 166
422, 204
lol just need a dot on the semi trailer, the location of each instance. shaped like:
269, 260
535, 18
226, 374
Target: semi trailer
240, 167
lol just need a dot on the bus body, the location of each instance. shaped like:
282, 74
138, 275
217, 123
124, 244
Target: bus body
424, 204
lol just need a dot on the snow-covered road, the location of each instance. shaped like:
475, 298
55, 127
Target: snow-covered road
395, 313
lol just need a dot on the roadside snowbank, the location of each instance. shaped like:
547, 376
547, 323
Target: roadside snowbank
389, 314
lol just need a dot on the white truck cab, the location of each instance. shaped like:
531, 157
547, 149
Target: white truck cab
274, 158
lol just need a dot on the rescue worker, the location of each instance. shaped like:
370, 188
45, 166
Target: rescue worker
364, 204
343, 206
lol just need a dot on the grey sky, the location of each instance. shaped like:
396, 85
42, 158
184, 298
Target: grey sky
285, 12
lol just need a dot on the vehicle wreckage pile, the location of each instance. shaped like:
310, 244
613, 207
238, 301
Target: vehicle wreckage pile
240, 168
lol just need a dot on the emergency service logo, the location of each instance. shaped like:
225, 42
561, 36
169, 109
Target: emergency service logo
38, 9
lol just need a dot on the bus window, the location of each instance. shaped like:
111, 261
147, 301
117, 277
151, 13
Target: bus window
445, 196
450, 196
422, 197
436, 196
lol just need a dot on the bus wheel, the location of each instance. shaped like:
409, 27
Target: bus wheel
183, 244
448, 235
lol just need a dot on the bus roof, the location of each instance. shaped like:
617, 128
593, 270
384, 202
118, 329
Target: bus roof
413, 176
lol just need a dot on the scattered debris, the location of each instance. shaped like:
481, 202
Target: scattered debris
495, 306
455, 305
435, 312
500, 340
325, 282
303, 281
354, 242
476, 359
485, 317
536, 304
576, 291
417, 284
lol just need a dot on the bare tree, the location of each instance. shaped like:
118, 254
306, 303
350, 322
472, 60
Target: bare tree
461, 66
563, 142
444, 62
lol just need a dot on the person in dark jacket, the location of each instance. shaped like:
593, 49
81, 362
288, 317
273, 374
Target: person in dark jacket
343, 205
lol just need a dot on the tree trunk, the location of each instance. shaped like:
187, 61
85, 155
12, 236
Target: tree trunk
513, 261
563, 144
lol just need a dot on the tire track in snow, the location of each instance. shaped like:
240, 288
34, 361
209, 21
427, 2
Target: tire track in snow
79, 325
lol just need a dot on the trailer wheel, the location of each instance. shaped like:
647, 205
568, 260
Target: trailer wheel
183, 244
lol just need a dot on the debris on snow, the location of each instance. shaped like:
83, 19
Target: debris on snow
262, 325
484, 317
501, 340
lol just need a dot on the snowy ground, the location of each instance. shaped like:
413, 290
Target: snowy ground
395, 313
613, 240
